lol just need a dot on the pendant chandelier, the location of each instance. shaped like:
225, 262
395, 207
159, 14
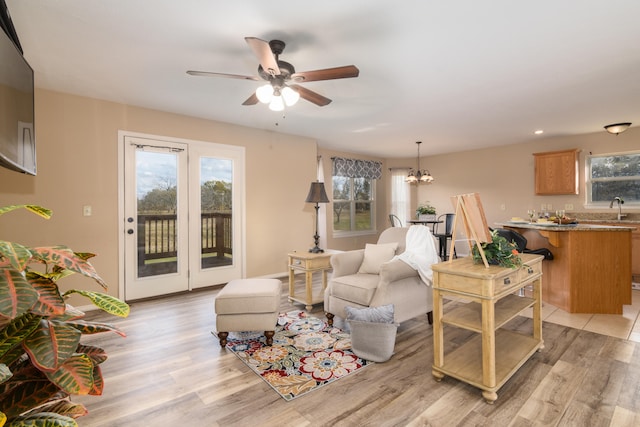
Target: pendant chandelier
419, 175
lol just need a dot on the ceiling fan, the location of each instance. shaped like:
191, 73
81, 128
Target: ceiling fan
282, 87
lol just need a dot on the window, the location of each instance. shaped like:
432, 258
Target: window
400, 195
353, 204
613, 175
354, 189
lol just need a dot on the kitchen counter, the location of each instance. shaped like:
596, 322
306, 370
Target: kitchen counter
591, 269
581, 226
622, 222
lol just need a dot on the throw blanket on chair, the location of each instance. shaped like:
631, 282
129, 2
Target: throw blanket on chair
420, 252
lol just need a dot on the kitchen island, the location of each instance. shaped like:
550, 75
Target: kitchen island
591, 269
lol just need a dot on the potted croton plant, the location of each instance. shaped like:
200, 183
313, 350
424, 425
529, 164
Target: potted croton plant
42, 361
499, 251
426, 212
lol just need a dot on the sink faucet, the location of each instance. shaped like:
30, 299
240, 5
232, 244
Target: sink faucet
620, 202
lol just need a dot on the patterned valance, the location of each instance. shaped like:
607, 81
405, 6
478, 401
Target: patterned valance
354, 168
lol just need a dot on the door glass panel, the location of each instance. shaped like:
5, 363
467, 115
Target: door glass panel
157, 196
216, 189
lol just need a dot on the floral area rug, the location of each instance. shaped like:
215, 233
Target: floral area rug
306, 354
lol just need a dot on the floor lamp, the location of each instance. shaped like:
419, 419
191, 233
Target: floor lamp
317, 195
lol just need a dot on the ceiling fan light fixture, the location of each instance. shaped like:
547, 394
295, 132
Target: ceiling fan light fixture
276, 104
290, 95
617, 128
265, 93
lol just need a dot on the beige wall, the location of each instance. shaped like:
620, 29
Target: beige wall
504, 175
77, 165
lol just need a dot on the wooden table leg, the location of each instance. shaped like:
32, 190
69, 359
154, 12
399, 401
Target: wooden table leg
292, 280
488, 344
537, 312
309, 286
438, 337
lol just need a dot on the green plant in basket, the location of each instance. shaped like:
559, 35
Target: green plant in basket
42, 361
425, 209
498, 252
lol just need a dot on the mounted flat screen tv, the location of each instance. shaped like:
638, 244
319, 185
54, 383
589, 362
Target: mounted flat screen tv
17, 139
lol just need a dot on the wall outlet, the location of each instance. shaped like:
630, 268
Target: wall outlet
568, 207
86, 210
543, 207
549, 207
503, 207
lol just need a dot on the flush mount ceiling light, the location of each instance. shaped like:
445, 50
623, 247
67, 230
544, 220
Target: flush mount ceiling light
617, 128
420, 175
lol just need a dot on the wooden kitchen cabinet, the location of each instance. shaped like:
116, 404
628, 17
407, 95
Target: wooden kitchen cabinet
556, 172
635, 246
591, 267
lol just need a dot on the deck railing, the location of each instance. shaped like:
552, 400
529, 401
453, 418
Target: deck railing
158, 238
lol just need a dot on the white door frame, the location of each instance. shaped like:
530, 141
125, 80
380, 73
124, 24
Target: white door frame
239, 204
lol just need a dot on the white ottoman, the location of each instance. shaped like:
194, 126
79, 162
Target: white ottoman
248, 305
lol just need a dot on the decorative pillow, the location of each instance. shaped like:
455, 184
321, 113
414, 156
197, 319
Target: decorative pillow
375, 256
381, 314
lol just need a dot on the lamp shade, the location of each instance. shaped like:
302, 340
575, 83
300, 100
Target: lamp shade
276, 104
317, 193
265, 93
290, 96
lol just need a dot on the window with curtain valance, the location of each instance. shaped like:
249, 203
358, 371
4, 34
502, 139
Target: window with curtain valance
353, 191
355, 168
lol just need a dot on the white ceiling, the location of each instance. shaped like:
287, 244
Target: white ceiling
454, 74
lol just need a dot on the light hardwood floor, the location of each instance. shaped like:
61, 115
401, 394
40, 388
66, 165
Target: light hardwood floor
170, 371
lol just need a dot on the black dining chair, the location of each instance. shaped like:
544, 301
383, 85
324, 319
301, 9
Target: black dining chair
446, 236
395, 221
521, 242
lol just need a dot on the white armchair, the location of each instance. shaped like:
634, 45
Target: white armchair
396, 283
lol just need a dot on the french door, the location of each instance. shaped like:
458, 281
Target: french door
182, 215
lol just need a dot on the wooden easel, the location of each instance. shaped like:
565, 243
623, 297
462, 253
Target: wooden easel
469, 208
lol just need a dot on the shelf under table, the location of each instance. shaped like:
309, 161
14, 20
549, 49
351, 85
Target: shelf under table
465, 362
469, 315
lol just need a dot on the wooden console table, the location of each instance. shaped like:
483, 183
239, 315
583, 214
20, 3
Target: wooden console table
308, 263
490, 358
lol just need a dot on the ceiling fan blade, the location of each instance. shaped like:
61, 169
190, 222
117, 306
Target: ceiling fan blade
327, 74
210, 74
252, 100
311, 96
262, 50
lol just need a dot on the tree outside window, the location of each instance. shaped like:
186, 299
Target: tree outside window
613, 175
353, 204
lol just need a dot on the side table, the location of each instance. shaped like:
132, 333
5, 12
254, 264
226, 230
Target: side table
494, 354
309, 263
